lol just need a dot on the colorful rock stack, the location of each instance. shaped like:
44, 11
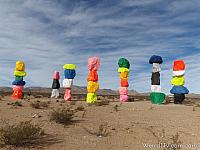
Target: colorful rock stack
178, 82
18, 84
70, 73
124, 67
55, 85
93, 85
156, 96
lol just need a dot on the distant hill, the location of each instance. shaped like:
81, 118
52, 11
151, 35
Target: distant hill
80, 90
192, 95
75, 90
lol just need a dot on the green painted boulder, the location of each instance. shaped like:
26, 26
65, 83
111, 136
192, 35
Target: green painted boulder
123, 63
157, 98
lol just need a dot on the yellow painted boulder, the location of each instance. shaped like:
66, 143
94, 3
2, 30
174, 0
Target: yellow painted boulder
124, 75
178, 80
69, 66
20, 66
20, 73
92, 87
91, 98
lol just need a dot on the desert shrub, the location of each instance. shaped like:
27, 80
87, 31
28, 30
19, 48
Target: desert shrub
62, 115
197, 105
44, 104
21, 134
39, 105
100, 97
35, 105
71, 102
80, 108
102, 102
38, 96
101, 131
116, 108
193, 108
175, 142
17, 103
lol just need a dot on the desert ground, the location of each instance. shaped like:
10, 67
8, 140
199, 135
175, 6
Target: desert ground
126, 126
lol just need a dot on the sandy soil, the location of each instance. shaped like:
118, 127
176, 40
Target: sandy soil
129, 128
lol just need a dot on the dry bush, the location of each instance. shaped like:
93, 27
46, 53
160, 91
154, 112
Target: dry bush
62, 115
17, 103
21, 134
102, 102
84, 113
193, 108
100, 97
116, 108
39, 105
173, 141
38, 96
72, 102
167, 100
197, 105
35, 105
151, 108
102, 130
80, 108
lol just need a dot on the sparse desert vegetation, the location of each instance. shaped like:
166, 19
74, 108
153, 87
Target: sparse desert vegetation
16, 103
39, 104
21, 134
62, 115
101, 131
107, 125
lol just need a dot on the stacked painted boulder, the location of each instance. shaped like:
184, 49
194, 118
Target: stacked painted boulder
55, 85
18, 84
156, 96
123, 70
178, 82
70, 73
93, 85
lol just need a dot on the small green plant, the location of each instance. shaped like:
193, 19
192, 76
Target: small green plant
22, 134
62, 115
39, 105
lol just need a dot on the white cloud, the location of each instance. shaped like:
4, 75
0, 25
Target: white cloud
47, 34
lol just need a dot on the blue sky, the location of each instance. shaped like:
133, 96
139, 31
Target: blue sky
46, 34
